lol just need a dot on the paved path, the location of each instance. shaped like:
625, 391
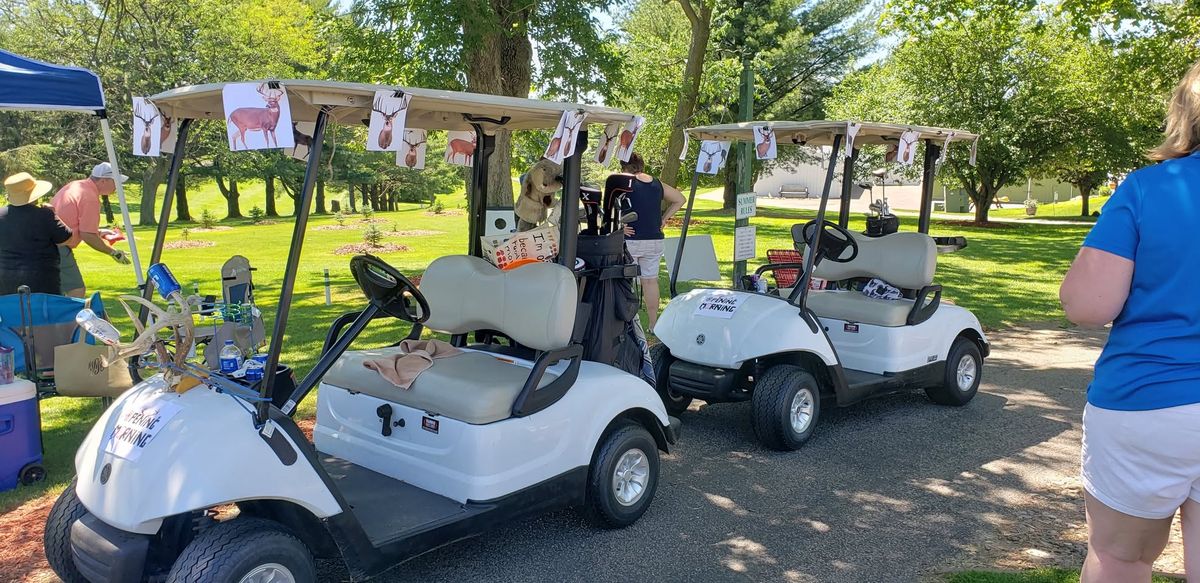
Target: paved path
897, 489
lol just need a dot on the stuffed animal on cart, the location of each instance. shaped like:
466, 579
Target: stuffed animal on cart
538, 197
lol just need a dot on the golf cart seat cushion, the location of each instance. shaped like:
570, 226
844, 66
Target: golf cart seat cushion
534, 304
905, 260
853, 306
473, 387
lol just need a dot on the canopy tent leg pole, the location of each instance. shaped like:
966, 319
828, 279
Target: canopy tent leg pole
687, 219
164, 215
303, 205
847, 185
928, 172
811, 256
112, 159
568, 242
477, 199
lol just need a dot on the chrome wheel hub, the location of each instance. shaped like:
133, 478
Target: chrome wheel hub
802, 409
269, 573
966, 373
631, 476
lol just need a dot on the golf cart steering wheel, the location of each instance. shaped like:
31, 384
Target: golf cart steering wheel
388, 289
835, 240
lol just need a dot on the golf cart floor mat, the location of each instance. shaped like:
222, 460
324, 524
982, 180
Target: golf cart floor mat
386, 507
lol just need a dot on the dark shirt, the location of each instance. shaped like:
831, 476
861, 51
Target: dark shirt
29, 238
647, 198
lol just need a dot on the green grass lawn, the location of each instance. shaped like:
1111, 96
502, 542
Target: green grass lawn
1032, 576
1065, 210
1008, 273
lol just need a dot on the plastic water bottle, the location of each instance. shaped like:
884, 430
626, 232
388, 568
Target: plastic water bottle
230, 358
98, 327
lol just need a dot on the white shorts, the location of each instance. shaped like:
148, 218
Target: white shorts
1142, 463
647, 253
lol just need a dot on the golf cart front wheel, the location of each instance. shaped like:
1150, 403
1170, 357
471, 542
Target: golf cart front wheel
675, 403
786, 405
623, 477
56, 539
964, 366
244, 550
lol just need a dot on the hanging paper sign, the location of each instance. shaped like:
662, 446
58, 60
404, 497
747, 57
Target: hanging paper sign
747, 205
147, 128
141, 419
169, 135
945, 148
720, 304
606, 144
974, 145
562, 145
743, 243
257, 116
906, 150
460, 147
764, 142
629, 136
683, 152
411, 153
388, 112
852, 130
302, 133
712, 156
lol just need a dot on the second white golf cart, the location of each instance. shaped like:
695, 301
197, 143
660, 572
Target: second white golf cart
193, 476
792, 351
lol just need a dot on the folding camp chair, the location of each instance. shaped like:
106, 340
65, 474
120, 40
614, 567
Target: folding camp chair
33, 324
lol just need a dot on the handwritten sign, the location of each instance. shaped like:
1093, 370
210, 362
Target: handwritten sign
720, 304
743, 243
539, 244
140, 420
747, 205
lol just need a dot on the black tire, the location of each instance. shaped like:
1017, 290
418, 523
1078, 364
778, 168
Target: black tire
231, 550
771, 404
603, 506
951, 392
32, 474
675, 403
56, 539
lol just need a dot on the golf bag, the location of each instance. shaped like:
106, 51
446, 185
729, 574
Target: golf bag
613, 334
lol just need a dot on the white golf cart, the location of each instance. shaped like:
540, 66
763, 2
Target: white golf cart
195, 476
791, 352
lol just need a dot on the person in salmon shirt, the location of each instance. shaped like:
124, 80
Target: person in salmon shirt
78, 206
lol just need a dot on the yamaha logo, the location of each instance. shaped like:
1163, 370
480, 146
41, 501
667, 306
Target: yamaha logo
105, 472
700, 339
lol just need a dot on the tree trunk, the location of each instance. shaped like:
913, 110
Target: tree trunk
1085, 191
269, 199
230, 193
699, 14
320, 196
729, 197
108, 211
365, 197
182, 212
983, 202
350, 190
152, 177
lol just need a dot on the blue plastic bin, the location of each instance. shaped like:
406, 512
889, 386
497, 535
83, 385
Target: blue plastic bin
20, 435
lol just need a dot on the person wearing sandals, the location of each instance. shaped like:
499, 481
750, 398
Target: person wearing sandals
29, 238
1141, 425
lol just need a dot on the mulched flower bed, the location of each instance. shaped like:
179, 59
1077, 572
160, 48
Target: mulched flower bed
217, 228
445, 213
188, 244
336, 227
357, 248
414, 233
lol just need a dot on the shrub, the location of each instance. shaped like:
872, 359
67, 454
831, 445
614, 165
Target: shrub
368, 212
256, 215
185, 233
372, 235
207, 219
438, 208
339, 218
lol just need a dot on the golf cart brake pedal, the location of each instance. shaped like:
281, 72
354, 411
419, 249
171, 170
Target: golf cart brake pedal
385, 413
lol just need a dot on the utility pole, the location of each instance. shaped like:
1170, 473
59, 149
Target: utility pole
745, 113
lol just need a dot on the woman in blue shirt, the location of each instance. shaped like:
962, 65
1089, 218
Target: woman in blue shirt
1141, 426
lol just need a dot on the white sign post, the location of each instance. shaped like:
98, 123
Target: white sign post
743, 243
747, 205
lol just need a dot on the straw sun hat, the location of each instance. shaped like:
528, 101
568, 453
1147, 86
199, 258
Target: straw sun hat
22, 189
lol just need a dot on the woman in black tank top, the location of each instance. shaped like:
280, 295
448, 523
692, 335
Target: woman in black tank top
644, 236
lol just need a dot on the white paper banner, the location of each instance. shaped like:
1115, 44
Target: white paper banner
141, 419
388, 112
974, 146
712, 156
411, 153
906, 149
460, 147
764, 142
562, 145
606, 144
852, 130
629, 136
169, 135
743, 243
302, 133
257, 117
945, 148
720, 304
683, 152
147, 128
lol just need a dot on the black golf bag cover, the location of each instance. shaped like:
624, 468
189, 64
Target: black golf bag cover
613, 334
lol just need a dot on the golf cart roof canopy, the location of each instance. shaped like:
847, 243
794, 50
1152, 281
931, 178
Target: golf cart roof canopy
821, 133
430, 109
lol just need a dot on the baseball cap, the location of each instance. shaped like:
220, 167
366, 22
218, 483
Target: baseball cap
104, 170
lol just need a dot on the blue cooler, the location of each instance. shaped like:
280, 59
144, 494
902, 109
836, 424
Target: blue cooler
20, 435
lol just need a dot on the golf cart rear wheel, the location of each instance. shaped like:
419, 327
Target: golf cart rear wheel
56, 539
786, 405
675, 403
964, 366
244, 550
623, 477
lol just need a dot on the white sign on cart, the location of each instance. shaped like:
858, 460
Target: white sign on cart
141, 419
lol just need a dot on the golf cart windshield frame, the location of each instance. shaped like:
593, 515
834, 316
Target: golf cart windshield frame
832, 134
319, 101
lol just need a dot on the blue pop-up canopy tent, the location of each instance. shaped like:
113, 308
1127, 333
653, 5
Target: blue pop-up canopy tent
26, 84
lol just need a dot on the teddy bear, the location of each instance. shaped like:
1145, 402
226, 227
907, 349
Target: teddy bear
537, 197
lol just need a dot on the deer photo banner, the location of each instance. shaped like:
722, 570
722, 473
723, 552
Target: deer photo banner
606, 144
460, 147
712, 156
302, 133
147, 128
764, 143
257, 116
629, 136
388, 112
169, 134
562, 144
411, 153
